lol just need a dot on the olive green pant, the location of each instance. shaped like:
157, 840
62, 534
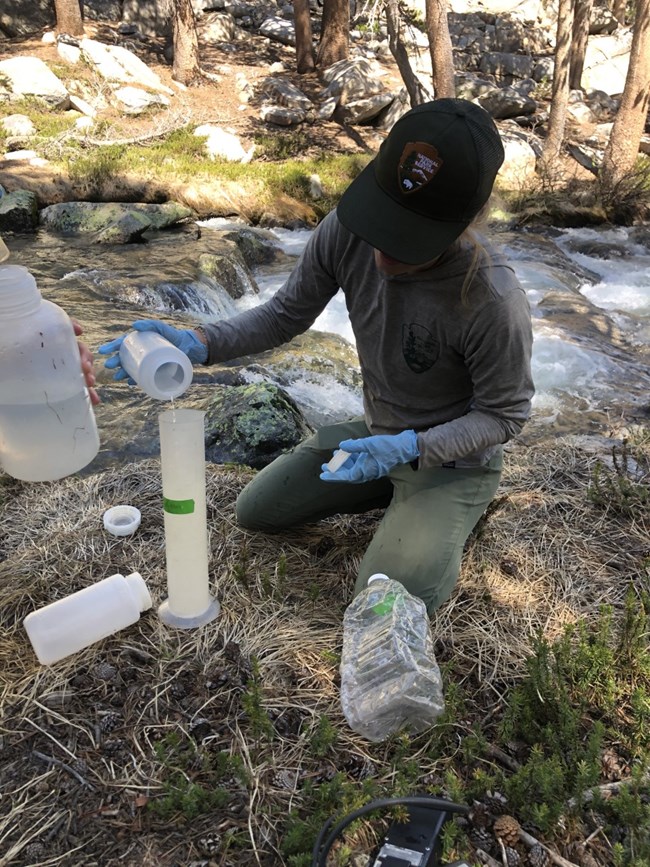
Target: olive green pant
429, 513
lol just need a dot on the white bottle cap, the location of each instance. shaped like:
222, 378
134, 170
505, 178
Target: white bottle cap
139, 590
122, 520
379, 576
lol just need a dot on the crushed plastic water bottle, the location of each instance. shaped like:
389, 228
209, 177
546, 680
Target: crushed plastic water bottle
389, 674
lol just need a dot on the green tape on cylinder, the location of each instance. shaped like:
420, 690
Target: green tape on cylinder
178, 507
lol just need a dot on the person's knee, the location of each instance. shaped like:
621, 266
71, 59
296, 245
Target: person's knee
436, 586
433, 595
251, 517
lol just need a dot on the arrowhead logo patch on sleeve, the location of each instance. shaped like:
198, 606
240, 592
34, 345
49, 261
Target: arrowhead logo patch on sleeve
419, 164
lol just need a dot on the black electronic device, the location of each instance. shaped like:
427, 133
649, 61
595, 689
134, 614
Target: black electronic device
414, 843
411, 843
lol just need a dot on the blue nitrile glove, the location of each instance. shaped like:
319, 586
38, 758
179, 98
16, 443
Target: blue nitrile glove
183, 339
374, 457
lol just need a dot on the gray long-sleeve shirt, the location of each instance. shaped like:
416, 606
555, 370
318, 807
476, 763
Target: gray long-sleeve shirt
456, 371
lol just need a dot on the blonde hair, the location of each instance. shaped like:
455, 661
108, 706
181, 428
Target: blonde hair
472, 238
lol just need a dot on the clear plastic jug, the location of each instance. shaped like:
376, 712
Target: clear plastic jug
389, 674
47, 423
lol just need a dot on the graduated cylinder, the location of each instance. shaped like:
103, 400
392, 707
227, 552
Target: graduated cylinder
182, 455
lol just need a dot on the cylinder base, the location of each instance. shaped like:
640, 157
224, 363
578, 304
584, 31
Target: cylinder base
171, 619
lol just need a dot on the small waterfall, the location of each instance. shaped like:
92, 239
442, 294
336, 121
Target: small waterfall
204, 297
243, 278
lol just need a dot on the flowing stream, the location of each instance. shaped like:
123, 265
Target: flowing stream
589, 291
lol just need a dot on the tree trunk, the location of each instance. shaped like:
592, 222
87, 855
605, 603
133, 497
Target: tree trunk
186, 45
335, 33
560, 89
442, 58
623, 145
618, 8
417, 93
305, 61
579, 47
68, 17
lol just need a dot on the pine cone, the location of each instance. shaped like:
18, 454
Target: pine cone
617, 833
33, 852
105, 671
480, 838
109, 722
113, 746
79, 766
496, 803
284, 779
178, 690
513, 858
210, 844
538, 856
611, 765
507, 828
578, 853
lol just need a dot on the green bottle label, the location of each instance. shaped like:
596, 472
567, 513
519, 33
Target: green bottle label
386, 604
178, 507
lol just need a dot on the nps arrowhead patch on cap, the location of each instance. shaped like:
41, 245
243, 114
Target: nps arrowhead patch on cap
418, 165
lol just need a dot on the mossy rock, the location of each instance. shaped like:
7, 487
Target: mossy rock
258, 246
252, 424
87, 218
228, 268
18, 212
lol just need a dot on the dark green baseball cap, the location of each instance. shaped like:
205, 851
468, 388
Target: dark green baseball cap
432, 175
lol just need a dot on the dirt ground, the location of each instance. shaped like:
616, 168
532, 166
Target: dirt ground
225, 746
216, 97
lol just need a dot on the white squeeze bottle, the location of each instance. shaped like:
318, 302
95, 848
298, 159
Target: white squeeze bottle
47, 424
79, 620
389, 674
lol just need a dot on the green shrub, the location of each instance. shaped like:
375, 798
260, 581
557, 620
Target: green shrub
281, 146
259, 723
589, 688
624, 488
191, 779
97, 167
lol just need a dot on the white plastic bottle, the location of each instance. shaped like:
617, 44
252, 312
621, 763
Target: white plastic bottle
160, 369
337, 460
47, 424
389, 674
79, 620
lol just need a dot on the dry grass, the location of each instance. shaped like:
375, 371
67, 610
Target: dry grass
87, 746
